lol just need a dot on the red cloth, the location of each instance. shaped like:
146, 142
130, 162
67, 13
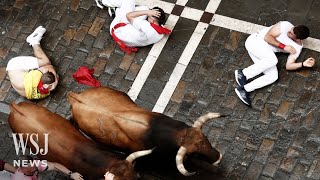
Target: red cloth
42, 89
160, 29
120, 43
83, 76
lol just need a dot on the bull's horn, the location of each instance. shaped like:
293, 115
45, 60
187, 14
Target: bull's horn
138, 154
218, 161
202, 119
179, 162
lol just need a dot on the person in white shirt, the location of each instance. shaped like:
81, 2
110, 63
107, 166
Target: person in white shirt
261, 46
136, 26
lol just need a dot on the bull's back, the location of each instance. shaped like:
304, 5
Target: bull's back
110, 117
66, 145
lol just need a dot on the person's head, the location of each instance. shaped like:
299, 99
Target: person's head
48, 78
161, 19
299, 32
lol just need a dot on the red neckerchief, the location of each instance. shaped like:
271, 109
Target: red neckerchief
160, 29
42, 89
120, 43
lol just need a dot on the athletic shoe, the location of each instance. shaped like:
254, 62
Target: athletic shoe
36, 36
243, 95
112, 12
240, 77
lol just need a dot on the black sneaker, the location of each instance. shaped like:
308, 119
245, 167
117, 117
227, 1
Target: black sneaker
240, 77
243, 95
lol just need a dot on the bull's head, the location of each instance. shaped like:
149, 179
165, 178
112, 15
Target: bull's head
194, 141
124, 169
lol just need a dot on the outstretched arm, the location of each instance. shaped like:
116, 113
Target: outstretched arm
293, 65
271, 36
60, 167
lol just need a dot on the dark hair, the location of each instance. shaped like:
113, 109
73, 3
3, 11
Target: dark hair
48, 78
301, 31
162, 18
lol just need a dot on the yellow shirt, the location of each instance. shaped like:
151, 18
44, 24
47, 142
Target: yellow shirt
31, 81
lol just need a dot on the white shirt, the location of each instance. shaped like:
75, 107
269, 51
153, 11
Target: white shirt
285, 27
139, 33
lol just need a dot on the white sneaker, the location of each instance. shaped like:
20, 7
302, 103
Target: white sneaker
36, 36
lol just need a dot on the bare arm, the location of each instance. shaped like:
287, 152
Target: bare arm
271, 36
149, 13
62, 168
9, 167
293, 65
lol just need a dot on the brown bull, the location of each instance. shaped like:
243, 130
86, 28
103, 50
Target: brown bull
112, 118
67, 145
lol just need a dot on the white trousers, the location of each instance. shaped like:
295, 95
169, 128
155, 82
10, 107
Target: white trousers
22, 63
123, 8
265, 62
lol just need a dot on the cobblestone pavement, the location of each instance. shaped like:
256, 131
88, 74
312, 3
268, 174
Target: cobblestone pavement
278, 138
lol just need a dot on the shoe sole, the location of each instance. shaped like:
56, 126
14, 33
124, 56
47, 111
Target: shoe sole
236, 77
32, 35
239, 96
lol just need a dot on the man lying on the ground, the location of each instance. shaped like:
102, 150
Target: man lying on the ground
33, 77
135, 26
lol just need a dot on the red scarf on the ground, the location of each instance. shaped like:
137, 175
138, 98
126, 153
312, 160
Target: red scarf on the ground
42, 89
160, 29
83, 76
120, 43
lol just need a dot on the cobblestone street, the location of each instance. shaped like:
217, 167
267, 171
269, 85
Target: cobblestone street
186, 75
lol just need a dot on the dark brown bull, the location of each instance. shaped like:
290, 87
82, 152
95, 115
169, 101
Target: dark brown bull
112, 118
67, 145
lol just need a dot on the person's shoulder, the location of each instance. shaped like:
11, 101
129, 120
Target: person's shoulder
286, 23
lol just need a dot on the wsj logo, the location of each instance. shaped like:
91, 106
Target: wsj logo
33, 138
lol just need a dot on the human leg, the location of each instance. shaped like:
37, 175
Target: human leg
41, 56
261, 54
34, 40
22, 63
269, 77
